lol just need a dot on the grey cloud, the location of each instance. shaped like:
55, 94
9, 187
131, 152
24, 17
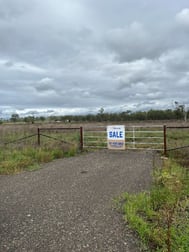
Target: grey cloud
9, 64
130, 43
9, 10
139, 39
135, 42
176, 60
50, 38
45, 84
44, 88
82, 55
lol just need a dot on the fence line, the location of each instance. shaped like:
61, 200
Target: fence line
178, 148
154, 137
137, 137
56, 139
39, 134
184, 140
19, 139
80, 129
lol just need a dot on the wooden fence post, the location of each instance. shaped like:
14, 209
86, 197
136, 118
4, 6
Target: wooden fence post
38, 137
81, 138
165, 139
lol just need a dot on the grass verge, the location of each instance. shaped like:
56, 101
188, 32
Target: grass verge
161, 216
28, 158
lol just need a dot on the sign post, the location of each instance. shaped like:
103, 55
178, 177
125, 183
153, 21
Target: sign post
116, 137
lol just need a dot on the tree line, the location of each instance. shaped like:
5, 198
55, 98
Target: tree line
177, 114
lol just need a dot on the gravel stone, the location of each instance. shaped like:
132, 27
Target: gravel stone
68, 204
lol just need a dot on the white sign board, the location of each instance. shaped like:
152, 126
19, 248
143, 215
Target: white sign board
116, 137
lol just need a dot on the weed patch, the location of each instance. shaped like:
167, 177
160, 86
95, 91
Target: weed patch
28, 158
161, 216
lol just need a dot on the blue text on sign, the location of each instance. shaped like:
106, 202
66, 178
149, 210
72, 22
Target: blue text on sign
115, 134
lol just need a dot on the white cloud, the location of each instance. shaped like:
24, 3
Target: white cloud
183, 17
46, 80
21, 66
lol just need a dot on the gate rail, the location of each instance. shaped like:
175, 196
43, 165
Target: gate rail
40, 130
136, 137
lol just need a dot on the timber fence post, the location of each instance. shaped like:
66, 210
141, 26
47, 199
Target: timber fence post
38, 137
81, 138
165, 139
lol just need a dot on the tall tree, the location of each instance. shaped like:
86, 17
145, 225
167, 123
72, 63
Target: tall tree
14, 117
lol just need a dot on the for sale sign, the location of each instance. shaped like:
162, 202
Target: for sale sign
116, 137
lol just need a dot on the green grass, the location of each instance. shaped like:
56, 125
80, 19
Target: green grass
161, 216
177, 137
29, 158
23, 153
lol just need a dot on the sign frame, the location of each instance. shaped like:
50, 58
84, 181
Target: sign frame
116, 137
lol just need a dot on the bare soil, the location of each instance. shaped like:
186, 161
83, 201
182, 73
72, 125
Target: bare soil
68, 204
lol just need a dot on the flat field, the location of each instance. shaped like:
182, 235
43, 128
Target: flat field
21, 147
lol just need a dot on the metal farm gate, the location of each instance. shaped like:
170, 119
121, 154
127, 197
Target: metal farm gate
66, 136
136, 137
153, 137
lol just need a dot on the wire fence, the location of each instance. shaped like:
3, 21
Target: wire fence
66, 136
154, 137
43, 137
177, 138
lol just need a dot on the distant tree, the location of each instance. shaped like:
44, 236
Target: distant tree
42, 118
29, 119
180, 111
101, 111
90, 117
14, 117
100, 114
139, 115
169, 114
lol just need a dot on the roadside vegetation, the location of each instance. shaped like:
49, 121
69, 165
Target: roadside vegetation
28, 158
161, 216
20, 150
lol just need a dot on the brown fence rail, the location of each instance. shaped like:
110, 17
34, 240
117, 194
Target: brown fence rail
63, 135
66, 136
19, 139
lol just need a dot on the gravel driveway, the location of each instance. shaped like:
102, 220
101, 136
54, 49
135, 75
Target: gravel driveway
67, 205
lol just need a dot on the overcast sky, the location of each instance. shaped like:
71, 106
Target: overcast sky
76, 56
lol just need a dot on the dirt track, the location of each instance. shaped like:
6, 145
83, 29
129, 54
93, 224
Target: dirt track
67, 205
